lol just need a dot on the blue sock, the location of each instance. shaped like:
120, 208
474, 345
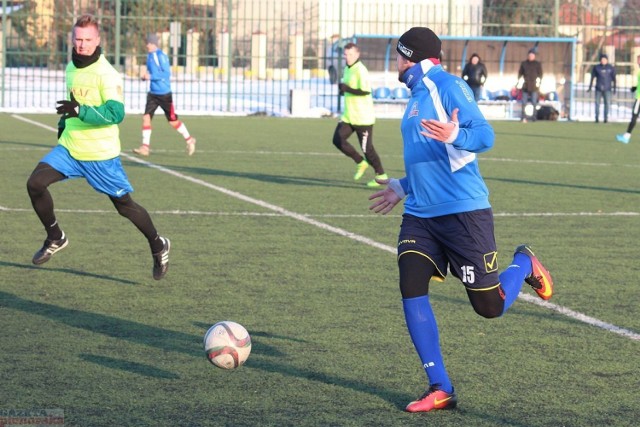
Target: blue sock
423, 329
513, 277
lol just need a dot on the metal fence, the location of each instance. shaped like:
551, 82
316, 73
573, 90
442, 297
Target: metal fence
273, 56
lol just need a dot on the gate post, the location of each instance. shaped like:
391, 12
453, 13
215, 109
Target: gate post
259, 56
296, 55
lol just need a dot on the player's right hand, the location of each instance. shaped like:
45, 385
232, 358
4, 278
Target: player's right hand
384, 200
68, 108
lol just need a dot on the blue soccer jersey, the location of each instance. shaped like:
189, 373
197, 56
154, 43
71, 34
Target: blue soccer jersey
160, 71
442, 178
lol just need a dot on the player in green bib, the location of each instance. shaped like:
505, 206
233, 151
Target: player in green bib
358, 116
89, 147
635, 110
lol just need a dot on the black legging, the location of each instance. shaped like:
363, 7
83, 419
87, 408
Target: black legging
365, 137
41, 177
634, 115
416, 272
44, 175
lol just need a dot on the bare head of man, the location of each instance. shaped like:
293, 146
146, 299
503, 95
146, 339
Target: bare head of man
86, 35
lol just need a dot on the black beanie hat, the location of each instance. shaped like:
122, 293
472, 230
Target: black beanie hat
419, 43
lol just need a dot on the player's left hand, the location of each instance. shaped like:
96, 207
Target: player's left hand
68, 108
444, 132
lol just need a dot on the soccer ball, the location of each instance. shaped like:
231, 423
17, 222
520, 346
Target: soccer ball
227, 344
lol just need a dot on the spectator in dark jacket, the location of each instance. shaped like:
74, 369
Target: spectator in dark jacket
604, 75
475, 74
530, 77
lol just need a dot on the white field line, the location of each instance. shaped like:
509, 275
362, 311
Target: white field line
580, 317
327, 154
309, 215
353, 236
33, 122
330, 154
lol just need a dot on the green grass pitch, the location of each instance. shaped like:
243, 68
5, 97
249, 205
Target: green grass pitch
269, 230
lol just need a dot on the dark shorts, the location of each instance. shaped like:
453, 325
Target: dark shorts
463, 243
163, 101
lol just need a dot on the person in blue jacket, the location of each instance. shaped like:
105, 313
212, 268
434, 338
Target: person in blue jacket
159, 95
604, 74
447, 222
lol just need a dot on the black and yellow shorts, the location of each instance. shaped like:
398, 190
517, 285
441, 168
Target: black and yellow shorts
462, 243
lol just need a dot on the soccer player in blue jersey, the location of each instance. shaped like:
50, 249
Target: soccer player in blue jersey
159, 76
448, 221
89, 147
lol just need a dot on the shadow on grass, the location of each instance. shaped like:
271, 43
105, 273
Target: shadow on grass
191, 345
180, 342
275, 179
128, 366
107, 325
561, 185
540, 137
68, 271
254, 333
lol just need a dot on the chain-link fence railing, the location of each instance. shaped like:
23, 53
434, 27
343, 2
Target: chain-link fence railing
268, 56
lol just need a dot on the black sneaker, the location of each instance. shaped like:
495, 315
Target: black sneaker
161, 260
49, 248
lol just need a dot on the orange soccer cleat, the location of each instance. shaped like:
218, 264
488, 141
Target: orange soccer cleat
433, 399
540, 279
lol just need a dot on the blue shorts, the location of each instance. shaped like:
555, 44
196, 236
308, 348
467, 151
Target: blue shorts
464, 243
105, 176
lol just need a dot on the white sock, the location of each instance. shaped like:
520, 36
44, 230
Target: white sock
146, 136
183, 131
